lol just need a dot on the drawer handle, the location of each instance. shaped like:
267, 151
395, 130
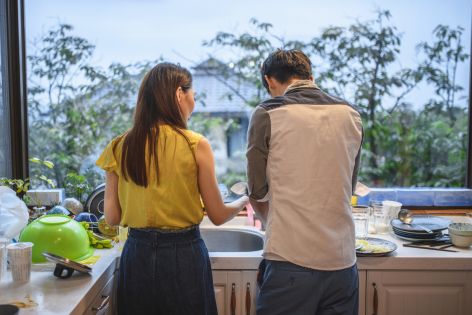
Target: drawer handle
233, 299
376, 299
104, 304
248, 298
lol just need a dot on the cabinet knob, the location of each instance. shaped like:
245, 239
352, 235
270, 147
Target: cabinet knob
233, 299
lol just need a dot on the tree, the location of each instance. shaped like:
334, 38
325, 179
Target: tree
74, 107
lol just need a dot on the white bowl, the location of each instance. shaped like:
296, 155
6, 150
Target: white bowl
463, 229
460, 240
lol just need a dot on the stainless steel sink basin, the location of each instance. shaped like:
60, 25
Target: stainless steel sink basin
232, 240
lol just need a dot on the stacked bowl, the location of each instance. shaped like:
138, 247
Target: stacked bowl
461, 234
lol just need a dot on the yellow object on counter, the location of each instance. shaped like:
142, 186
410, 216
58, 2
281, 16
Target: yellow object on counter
354, 200
90, 261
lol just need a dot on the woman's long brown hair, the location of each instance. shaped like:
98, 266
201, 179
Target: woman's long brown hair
157, 104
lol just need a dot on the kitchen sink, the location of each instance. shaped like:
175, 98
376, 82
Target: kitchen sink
232, 240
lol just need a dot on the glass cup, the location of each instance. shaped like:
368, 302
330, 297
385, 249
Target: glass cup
19, 256
382, 223
3, 256
391, 208
360, 215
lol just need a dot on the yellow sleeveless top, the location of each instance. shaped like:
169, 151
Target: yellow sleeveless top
172, 203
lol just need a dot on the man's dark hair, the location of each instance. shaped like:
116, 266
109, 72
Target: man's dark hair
284, 65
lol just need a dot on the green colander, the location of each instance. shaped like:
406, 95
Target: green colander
57, 234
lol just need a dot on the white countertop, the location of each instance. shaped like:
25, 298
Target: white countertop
64, 296
45, 294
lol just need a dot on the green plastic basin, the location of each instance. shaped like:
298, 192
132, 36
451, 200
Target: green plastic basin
57, 234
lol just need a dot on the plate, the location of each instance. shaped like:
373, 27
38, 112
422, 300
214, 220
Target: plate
413, 239
374, 247
419, 236
433, 223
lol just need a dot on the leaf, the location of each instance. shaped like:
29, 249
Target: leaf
35, 160
48, 164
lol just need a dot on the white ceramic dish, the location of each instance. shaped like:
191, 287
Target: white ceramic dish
460, 240
463, 229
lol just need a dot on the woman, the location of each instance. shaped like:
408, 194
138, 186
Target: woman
155, 175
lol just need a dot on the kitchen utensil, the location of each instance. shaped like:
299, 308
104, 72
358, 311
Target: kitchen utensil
95, 201
89, 218
434, 223
239, 188
19, 256
405, 216
430, 248
57, 234
107, 229
374, 247
65, 265
58, 210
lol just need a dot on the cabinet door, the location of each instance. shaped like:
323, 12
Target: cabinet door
227, 286
419, 292
249, 292
362, 284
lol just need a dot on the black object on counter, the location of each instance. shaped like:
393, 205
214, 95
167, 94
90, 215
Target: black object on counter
67, 265
8, 309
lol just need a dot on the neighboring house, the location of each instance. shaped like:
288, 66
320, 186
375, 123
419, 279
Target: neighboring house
222, 95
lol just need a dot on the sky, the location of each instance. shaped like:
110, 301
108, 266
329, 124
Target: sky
128, 31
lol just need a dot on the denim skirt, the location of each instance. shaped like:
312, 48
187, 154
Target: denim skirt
165, 272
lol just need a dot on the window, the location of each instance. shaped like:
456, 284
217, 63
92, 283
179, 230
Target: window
406, 66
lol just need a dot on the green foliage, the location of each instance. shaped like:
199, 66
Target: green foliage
76, 107
402, 146
77, 186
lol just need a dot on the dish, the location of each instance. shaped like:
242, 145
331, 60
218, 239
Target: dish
433, 223
374, 247
413, 239
426, 236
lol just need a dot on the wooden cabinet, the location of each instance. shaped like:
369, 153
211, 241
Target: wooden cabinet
362, 287
235, 291
418, 292
102, 304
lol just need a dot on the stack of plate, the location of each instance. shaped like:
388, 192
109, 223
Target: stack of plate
414, 232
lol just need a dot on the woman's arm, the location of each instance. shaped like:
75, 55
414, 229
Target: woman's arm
217, 211
112, 204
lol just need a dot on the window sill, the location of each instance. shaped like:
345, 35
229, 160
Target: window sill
423, 198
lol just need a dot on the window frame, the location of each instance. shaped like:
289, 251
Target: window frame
16, 100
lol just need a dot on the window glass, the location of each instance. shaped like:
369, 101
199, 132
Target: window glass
404, 64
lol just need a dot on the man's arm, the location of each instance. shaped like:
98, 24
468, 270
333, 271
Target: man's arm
357, 165
261, 209
258, 139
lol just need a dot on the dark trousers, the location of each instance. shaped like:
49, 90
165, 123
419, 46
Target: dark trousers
289, 289
165, 273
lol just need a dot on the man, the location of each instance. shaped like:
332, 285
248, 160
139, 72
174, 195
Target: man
303, 156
